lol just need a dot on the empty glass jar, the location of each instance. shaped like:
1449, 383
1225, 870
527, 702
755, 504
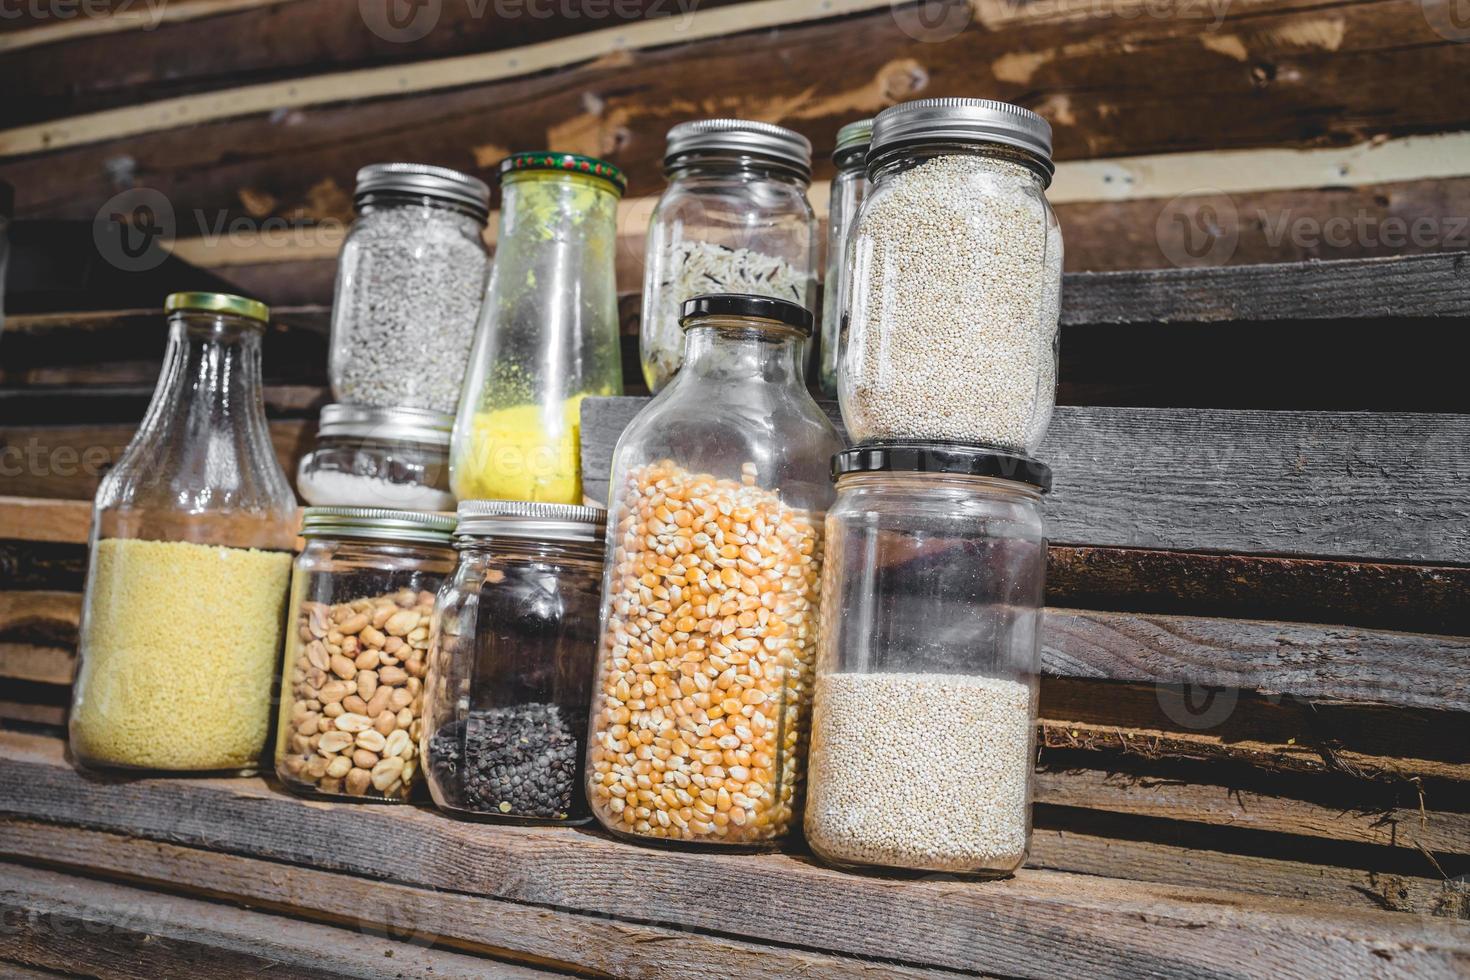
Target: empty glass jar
352, 680
734, 219
548, 337
410, 280
709, 610
849, 187
510, 667
189, 563
925, 712
956, 271
378, 457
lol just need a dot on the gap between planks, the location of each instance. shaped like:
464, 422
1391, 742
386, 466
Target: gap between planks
1037, 922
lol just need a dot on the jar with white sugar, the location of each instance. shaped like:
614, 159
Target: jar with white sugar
955, 279
927, 650
378, 457
734, 219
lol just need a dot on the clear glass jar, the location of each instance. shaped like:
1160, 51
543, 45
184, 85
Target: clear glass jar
548, 337
849, 187
378, 457
923, 729
734, 219
510, 663
410, 280
699, 711
956, 271
356, 651
189, 563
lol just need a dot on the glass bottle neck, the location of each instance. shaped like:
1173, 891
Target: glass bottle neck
737, 351
727, 165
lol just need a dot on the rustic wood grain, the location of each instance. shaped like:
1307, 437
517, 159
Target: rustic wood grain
1068, 841
57, 521
1405, 286
36, 663
1179, 94
1036, 923
1352, 811
546, 936
1338, 484
1431, 598
1336, 221
68, 461
1289, 734
48, 615
1342, 663
80, 926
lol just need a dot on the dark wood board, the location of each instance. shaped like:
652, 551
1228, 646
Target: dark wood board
593, 945
1036, 923
82, 926
1327, 484
1151, 83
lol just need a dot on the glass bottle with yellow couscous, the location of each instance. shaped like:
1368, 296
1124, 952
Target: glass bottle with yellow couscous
190, 561
710, 595
548, 333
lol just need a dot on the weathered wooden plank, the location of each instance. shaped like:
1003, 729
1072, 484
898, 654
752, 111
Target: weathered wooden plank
1349, 810
255, 41
1338, 484
68, 461
36, 664
1038, 923
59, 922
1431, 598
32, 519
1179, 94
1285, 734
1068, 841
1399, 287
1342, 663
598, 945
41, 615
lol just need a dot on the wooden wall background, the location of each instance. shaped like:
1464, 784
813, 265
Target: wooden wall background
1258, 644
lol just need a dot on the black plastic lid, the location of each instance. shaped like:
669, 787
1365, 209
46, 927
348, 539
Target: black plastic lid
781, 311
942, 457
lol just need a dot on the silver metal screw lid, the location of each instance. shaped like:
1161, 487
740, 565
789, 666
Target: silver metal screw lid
963, 120
422, 179
852, 142
387, 424
377, 524
525, 519
776, 143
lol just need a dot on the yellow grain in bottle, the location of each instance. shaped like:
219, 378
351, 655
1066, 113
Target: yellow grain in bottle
520, 453
178, 653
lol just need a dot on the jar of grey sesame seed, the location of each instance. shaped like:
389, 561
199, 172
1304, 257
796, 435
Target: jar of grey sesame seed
955, 279
410, 281
734, 219
928, 644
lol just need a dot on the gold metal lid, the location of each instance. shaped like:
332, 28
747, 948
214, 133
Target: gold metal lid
254, 309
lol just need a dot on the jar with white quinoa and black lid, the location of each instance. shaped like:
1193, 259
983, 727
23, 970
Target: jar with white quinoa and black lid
510, 663
708, 620
734, 219
955, 268
357, 640
926, 678
410, 281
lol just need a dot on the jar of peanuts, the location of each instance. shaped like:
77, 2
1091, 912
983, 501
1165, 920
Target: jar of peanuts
709, 609
362, 601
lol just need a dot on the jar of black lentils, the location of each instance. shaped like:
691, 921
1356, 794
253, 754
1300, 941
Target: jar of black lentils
510, 663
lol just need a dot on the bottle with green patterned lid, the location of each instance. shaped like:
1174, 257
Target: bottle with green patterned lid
548, 331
